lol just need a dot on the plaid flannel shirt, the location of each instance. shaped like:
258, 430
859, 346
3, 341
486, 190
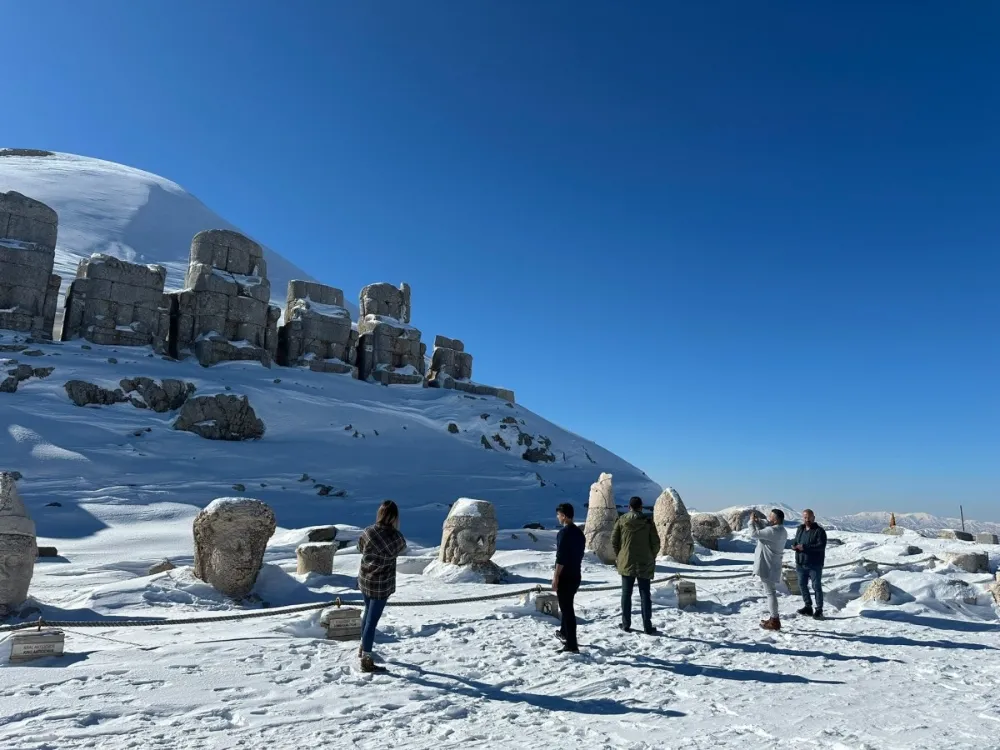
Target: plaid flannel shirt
380, 546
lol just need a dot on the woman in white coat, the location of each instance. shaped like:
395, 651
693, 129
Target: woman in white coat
767, 560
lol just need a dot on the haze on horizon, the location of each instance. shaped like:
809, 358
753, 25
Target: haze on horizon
751, 250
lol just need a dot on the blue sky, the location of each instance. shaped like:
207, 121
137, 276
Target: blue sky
753, 248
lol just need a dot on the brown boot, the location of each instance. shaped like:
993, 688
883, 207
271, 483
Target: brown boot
772, 623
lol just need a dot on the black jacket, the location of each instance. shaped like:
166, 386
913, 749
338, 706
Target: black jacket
570, 546
813, 542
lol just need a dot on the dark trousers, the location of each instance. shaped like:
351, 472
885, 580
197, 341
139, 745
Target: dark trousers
369, 622
645, 602
816, 576
568, 585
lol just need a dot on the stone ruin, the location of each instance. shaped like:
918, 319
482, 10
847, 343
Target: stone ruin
451, 367
18, 547
602, 514
389, 348
116, 303
673, 522
317, 330
28, 288
223, 313
469, 538
230, 536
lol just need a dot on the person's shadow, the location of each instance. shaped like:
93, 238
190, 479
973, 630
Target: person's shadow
481, 690
688, 669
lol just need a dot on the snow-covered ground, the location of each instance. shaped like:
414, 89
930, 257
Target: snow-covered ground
134, 215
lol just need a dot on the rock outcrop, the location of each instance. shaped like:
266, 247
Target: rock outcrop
673, 523
28, 288
601, 518
230, 537
220, 417
317, 330
451, 367
167, 395
389, 348
223, 313
117, 303
18, 547
708, 528
82, 393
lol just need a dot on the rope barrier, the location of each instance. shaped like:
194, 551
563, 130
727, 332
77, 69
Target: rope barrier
339, 601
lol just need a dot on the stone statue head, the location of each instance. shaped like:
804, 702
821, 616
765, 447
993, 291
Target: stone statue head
470, 533
230, 537
18, 548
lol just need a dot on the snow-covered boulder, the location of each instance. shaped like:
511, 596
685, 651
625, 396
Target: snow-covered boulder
17, 547
220, 417
877, 591
708, 528
970, 562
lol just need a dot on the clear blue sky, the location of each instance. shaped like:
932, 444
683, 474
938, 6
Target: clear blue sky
752, 247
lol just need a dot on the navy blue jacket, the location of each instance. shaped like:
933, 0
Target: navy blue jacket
570, 546
813, 542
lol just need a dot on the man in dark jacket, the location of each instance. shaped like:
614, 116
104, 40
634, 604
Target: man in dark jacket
636, 545
570, 546
810, 555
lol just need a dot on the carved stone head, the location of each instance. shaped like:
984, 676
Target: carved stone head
470, 533
18, 547
230, 537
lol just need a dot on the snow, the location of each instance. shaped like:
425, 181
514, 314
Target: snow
134, 215
239, 278
222, 502
466, 506
329, 311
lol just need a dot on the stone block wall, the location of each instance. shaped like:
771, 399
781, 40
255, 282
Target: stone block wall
28, 288
317, 330
223, 313
389, 348
116, 303
451, 367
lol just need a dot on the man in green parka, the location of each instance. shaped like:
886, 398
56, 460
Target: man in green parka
636, 545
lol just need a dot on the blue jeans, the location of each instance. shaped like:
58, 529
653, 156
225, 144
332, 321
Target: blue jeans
805, 576
369, 621
645, 602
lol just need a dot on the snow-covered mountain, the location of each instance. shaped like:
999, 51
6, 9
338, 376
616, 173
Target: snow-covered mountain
134, 215
874, 521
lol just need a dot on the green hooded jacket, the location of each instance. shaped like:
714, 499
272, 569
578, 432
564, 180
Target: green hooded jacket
636, 545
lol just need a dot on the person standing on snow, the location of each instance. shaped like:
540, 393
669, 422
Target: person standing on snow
767, 560
810, 556
380, 545
636, 545
570, 546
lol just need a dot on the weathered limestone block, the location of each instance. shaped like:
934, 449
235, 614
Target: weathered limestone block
220, 417
791, 579
987, 539
323, 534
687, 594
342, 623
18, 547
673, 523
740, 519
318, 330
548, 604
389, 349
470, 533
385, 300
970, 562
708, 528
28, 288
601, 518
161, 567
223, 313
955, 534
877, 591
481, 390
116, 303
315, 557
230, 536
893, 530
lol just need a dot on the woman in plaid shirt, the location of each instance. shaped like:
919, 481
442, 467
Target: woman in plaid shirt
380, 545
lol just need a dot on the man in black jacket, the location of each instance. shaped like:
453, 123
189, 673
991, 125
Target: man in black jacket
810, 555
570, 546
